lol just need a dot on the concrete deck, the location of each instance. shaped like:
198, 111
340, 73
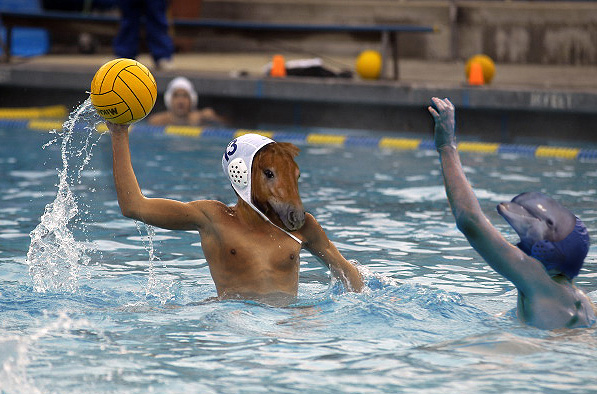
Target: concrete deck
522, 100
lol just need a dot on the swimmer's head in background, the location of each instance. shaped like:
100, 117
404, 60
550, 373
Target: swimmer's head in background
548, 232
180, 83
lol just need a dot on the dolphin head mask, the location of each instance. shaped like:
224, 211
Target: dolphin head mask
548, 232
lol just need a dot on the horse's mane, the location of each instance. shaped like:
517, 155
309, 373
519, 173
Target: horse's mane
281, 148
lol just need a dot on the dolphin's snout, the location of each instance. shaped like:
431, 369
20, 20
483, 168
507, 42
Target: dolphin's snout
502, 208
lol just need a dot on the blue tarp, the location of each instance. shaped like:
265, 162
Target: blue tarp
26, 41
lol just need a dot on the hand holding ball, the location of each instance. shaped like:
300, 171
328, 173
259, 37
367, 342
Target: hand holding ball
123, 91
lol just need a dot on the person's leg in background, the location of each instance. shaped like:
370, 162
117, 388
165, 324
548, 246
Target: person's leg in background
158, 40
126, 43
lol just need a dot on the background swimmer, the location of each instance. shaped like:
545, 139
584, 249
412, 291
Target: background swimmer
252, 248
553, 244
181, 103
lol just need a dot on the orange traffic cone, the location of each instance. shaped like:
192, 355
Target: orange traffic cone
475, 76
278, 67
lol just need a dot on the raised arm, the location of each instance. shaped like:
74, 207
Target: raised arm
326, 252
500, 254
169, 214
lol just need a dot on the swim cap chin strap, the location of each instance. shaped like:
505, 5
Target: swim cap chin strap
237, 162
566, 256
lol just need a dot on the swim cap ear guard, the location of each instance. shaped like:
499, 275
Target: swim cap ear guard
237, 163
566, 256
238, 160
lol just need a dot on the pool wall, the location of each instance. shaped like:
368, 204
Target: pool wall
492, 114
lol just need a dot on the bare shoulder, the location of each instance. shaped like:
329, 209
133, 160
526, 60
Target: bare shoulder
312, 232
210, 207
563, 305
159, 119
194, 118
208, 112
203, 116
311, 224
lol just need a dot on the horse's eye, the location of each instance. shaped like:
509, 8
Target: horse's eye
268, 173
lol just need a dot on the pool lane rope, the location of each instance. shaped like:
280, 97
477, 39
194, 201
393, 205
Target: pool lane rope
305, 138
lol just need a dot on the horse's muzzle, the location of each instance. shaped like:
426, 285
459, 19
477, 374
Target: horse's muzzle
292, 217
295, 219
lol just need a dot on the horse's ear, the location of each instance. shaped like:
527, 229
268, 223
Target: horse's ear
289, 148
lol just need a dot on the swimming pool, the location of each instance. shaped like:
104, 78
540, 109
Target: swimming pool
119, 311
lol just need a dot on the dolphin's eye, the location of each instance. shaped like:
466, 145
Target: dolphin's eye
268, 173
549, 222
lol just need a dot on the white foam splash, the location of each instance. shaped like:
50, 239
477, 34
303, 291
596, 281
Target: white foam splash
59, 247
55, 256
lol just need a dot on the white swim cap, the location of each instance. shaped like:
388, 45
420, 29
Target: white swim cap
237, 162
180, 83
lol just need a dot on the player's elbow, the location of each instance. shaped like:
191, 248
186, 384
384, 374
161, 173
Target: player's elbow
467, 224
129, 211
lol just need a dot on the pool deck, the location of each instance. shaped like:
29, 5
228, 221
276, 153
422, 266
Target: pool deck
566, 93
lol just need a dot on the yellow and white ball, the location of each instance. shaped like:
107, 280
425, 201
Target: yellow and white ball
123, 91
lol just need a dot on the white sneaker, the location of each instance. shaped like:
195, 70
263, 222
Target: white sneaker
165, 64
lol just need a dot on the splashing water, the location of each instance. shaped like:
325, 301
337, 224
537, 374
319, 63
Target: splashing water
59, 246
55, 256
162, 290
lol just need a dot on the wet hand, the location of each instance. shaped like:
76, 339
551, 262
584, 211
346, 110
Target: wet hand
443, 115
117, 128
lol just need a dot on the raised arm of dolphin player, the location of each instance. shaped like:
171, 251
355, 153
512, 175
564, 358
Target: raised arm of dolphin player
526, 273
547, 297
160, 212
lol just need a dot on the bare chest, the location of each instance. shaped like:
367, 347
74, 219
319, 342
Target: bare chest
259, 259
271, 249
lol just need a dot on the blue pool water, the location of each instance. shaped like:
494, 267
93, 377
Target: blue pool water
92, 302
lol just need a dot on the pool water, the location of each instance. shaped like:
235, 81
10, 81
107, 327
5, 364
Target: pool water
92, 302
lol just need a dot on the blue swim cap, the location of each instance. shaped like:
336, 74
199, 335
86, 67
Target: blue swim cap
566, 256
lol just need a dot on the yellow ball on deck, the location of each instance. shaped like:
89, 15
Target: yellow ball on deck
487, 65
369, 64
123, 91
